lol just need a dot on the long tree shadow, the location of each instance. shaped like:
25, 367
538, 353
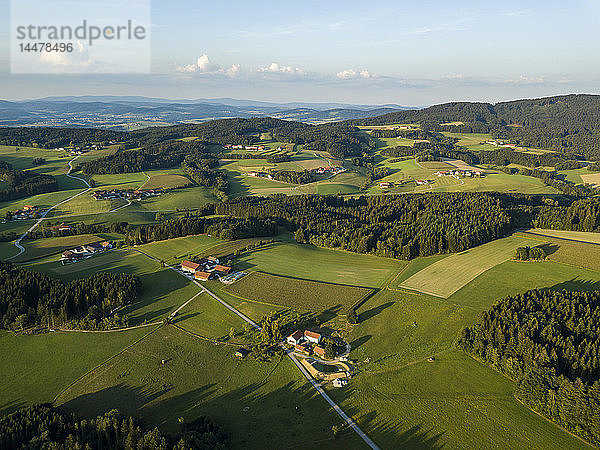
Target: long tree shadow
369, 313
575, 284
360, 341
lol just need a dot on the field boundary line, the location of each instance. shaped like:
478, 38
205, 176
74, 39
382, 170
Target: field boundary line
101, 364
314, 281
205, 338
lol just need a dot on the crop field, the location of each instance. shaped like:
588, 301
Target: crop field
513, 277
166, 181
448, 275
436, 165
469, 139
172, 251
183, 198
51, 246
297, 293
38, 367
256, 401
318, 264
591, 178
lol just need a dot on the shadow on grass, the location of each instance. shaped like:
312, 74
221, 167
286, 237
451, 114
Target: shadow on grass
549, 248
369, 313
575, 284
360, 341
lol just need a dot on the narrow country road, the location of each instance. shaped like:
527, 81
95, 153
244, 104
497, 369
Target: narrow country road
290, 354
43, 215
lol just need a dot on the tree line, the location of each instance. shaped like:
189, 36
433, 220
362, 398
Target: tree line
43, 426
22, 183
35, 299
548, 342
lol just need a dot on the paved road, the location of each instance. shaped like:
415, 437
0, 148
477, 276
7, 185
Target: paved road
43, 216
290, 354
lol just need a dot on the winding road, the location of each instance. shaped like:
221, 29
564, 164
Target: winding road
45, 213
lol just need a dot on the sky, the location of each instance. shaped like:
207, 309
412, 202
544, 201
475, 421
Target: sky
376, 52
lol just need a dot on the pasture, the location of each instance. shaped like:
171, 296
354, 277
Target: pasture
448, 275
207, 317
591, 178
258, 402
166, 181
40, 248
302, 295
38, 367
318, 264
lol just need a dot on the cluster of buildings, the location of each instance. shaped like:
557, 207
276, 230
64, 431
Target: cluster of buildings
306, 342
62, 227
252, 148
260, 175
124, 194
27, 212
205, 269
84, 251
500, 144
458, 174
386, 184
328, 169
421, 182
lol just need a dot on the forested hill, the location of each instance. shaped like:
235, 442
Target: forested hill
563, 123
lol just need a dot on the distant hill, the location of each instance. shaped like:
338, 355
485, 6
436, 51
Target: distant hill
132, 112
563, 123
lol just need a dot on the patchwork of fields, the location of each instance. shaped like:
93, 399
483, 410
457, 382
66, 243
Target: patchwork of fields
443, 278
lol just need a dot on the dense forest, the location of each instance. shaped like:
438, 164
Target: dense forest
549, 343
34, 299
44, 427
394, 226
23, 183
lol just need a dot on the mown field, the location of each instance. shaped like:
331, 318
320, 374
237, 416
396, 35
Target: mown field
51, 246
256, 401
302, 295
448, 275
36, 368
319, 264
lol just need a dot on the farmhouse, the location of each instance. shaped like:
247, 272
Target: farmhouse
189, 266
295, 338
222, 269
202, 276
385, 185
339, 382
313, 337
319, 351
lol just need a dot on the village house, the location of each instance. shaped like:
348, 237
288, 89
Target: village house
311, 336
385, 185
222, 269
295, 338
320, 351
303, 348
202, 276
189, 266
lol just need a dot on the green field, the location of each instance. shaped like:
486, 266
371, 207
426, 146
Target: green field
303, 295
36, 368
448, 275
51, 246
256, 401
166, 181
319, 264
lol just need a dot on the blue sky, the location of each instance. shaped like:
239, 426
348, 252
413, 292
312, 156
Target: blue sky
411, 53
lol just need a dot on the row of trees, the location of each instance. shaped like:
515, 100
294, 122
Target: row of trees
530, 253
225, 228
548, 342
43, 426
34, 299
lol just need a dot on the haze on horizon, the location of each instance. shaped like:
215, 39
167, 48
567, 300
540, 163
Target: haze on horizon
348, 51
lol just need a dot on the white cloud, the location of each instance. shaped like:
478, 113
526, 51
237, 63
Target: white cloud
526, 80
202, 65
276, 68
78, 60
351, 74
